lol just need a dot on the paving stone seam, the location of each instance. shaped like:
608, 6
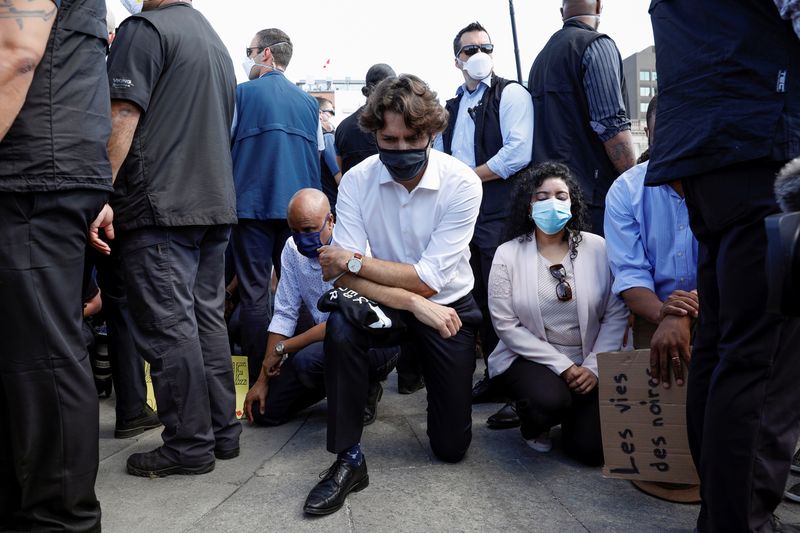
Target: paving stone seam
552, 494
194, 525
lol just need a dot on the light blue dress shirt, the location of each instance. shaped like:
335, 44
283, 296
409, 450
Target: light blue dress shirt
516, 127
648, 238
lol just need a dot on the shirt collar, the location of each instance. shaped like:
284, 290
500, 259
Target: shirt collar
273, 71
463, 88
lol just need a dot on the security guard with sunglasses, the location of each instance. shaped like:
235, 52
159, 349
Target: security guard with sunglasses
490, 129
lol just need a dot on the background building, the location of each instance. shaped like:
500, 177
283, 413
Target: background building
641, 84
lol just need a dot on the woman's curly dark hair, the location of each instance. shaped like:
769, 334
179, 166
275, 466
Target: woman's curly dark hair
520, 225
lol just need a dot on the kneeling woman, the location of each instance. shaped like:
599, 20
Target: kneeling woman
552, 308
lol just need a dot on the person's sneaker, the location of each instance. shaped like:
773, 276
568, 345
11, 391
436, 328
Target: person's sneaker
796, 462
541, 443
793, 493
373, 397
155, 464
147, 419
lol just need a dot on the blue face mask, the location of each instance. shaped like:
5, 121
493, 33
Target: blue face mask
551, 215
309, 243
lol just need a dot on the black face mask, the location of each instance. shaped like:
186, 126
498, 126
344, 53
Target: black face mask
404, 165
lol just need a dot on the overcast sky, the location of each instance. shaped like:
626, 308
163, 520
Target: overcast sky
413, 36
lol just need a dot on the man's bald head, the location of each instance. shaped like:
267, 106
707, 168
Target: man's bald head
308, 209
587, 11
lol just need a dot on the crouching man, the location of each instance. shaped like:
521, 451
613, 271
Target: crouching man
417, 209
283, 390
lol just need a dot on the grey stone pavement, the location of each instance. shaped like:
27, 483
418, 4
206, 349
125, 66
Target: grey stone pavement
502, 485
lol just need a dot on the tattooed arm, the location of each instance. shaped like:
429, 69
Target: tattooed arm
620, 151
24, 28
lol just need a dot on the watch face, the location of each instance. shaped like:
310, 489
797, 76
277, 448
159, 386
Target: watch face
354, 265
279, 348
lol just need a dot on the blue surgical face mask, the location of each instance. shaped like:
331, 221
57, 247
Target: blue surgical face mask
309, 243
551, 215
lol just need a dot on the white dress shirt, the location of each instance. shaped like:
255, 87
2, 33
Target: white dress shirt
430, 227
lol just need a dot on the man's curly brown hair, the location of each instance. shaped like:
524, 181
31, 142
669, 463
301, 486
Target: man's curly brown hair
408, 96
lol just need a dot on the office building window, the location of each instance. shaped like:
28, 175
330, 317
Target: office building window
644, 75
643, 107
644, 91
653, 76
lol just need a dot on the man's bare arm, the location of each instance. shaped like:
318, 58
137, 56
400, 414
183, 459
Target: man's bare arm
620, 151
24, 29
394, 274
443, 319
644, 303
485, 173
333, 260
124, 119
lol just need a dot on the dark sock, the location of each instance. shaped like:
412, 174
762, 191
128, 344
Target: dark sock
353, 455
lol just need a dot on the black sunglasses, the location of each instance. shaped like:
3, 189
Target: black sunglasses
260, 49
331, 111
563, 289
472, 49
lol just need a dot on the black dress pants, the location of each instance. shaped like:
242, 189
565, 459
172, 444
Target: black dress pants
48, 401
744, 387
353, 355
481, 262
544, 400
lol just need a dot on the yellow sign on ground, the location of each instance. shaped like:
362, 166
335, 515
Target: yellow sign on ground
240, 373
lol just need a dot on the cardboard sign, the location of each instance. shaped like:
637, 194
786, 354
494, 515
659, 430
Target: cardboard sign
643, 425
240, 380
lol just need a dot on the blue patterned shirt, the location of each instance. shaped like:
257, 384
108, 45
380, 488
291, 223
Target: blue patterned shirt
301, 282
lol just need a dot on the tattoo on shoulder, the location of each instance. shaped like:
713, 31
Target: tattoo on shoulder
22, 9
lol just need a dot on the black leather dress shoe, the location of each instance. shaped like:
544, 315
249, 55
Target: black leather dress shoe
338, 481
505, 418
483, 391
374, 396
155, 464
